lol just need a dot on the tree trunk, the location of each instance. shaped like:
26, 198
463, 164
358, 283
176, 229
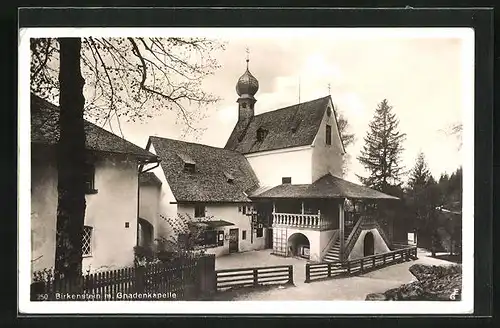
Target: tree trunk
70, 162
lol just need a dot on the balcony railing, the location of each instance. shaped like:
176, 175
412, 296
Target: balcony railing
309, 221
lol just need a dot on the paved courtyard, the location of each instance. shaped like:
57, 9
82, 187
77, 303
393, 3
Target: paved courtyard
350, 288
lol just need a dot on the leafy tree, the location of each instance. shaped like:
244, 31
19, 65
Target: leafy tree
133, 78
382, 150
186, 238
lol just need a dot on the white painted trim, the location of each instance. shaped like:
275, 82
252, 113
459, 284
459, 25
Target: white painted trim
278, 151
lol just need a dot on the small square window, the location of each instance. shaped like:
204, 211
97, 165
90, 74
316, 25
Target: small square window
286, 180
260, 232
244, 208
189, 167
127, 224
243, 235
87, 241
199, 211
89, 174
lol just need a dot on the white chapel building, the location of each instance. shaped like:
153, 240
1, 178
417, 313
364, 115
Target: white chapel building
276, 184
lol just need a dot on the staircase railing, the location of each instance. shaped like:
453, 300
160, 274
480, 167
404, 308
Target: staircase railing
383, 234
331, 242
351, 240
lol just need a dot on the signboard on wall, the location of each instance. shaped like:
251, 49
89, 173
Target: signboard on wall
412, 238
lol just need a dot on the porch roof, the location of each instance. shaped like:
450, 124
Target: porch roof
215, 223
328, 186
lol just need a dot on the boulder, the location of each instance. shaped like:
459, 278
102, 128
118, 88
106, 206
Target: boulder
437, 283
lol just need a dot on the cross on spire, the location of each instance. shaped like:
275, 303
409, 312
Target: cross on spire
247, 50
329, 89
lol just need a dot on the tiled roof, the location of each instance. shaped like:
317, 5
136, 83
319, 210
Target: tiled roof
328, 186
149, 178
45, 130
291, 126
209, 182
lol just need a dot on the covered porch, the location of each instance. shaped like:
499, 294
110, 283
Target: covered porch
331, 206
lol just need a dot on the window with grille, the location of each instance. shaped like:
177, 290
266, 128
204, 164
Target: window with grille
87, 241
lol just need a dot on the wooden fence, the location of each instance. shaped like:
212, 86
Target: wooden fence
321, 271
154, 282
253, 277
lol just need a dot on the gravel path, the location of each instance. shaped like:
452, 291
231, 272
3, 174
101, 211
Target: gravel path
351, 288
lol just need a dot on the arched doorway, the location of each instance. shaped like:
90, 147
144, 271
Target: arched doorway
368, 244
145, 233
298, 245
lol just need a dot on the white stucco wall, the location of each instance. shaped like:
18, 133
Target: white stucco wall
327, 158
107, 211
313, 236
149, 200
379, 246
166, 209
43, 212
271, 166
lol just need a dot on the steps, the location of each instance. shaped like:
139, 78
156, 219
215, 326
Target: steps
333, 254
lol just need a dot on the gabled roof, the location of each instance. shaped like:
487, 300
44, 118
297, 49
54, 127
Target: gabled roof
45, 130
209, 182
149, 178
291, 126
328, 186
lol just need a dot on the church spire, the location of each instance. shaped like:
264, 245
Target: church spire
246, 88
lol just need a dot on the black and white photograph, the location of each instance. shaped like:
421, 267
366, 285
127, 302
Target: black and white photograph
325, 170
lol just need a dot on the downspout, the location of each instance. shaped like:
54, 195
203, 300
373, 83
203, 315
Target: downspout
141, 166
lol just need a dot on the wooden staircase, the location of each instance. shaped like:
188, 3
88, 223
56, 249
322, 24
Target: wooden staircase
333, 254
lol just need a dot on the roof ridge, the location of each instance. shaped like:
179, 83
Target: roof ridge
56, 108
196, 144
288, 107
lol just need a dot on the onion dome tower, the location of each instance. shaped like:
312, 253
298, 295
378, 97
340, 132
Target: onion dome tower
246, 88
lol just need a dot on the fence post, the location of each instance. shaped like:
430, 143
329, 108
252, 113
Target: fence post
308, 273
383, 257
348, 267
255, 277
290, 274
361, 265
208, 277
373, 262
329, 270
140, 273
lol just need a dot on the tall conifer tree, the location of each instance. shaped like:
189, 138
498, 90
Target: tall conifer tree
382, 150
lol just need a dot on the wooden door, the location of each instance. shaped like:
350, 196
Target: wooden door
233, 240
368, 244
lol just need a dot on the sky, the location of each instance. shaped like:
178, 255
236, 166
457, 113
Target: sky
421, 77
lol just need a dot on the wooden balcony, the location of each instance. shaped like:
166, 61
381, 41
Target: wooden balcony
307, 221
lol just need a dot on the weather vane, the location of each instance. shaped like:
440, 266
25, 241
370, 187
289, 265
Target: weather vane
329, 88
